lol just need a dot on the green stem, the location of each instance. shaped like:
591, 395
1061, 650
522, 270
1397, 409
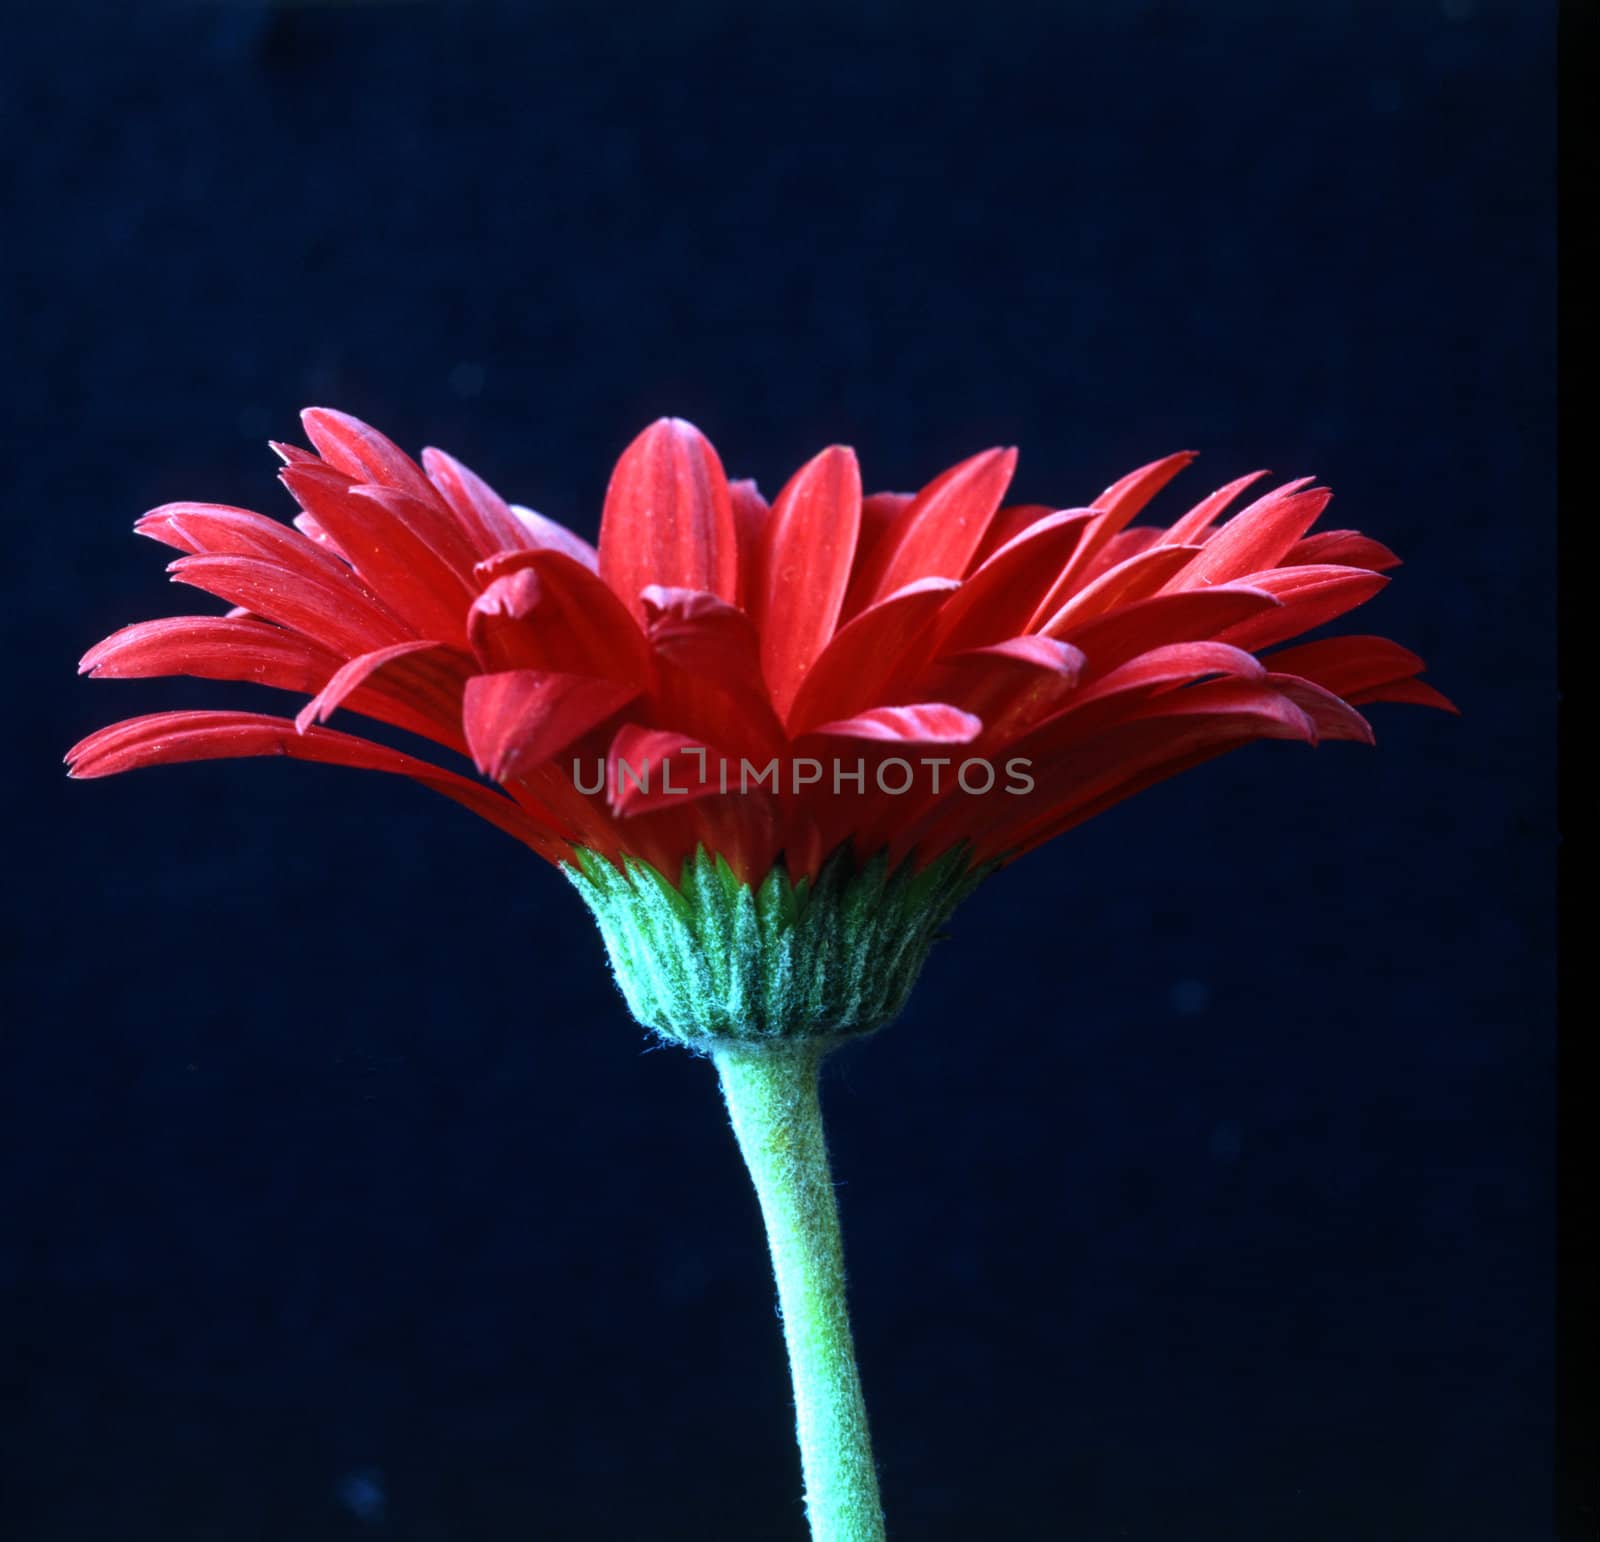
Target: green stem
771, 1092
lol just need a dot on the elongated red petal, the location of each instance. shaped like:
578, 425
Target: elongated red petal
1138, 578
395, 560
1332, 717
1344, 665
243, 648
937, 533
214, 529
1082, 780
807, 548
1124, 693
551, 535
362, 453
518, 720
879, 512
1174, 664
926, 722
1012, 520
1255, 538
1361, 669
166, 738
1310, 596
212, 648
477, 505
1128, 497
1001, 596
1115, 509
1417, 692
1198, 521
887, 643
1342, 548
1274, 713
668, 517
750, 513
312, 602
1114, 639
432, 523
428, 677
1124, 545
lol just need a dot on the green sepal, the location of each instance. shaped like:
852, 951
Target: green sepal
711, 959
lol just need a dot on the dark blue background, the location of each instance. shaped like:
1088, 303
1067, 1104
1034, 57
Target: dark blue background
1205, 1189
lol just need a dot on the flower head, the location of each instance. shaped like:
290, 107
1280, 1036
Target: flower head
895, 681
767, 682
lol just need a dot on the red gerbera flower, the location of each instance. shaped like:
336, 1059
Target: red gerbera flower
764, 741
617, 696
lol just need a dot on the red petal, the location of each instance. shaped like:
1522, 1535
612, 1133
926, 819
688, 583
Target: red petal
1000, 598
213, 529
1138, 578
1194, 525
1126, 499
879, 511
1132, 542
1274, 714
1345, 548
1076, 781
1122, 694
477, 505
552, 613
936, 534
362, 453
1012, 520
648, 769
807, 547
1418, 692
1167, 618
518, 720
312, 531
1361, 670
325, 609
552, 535
1116, 508
1334, 719
431, 686
927, 722
1345, 665
750, 513
886, 643
403, 570
1175, 664
1310, 596
708, 678
668, 517
1010, 686
290, 454
432, 522
168, 737
212, 648
1256, 538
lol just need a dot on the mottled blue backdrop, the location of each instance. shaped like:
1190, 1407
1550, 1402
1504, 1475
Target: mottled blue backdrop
1205, 1189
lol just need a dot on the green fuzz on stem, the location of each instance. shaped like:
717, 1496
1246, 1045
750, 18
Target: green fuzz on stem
771, 1092
711, 960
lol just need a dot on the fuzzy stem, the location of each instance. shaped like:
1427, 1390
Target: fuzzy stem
771, 1092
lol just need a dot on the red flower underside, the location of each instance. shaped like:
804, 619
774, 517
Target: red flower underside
760, 680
